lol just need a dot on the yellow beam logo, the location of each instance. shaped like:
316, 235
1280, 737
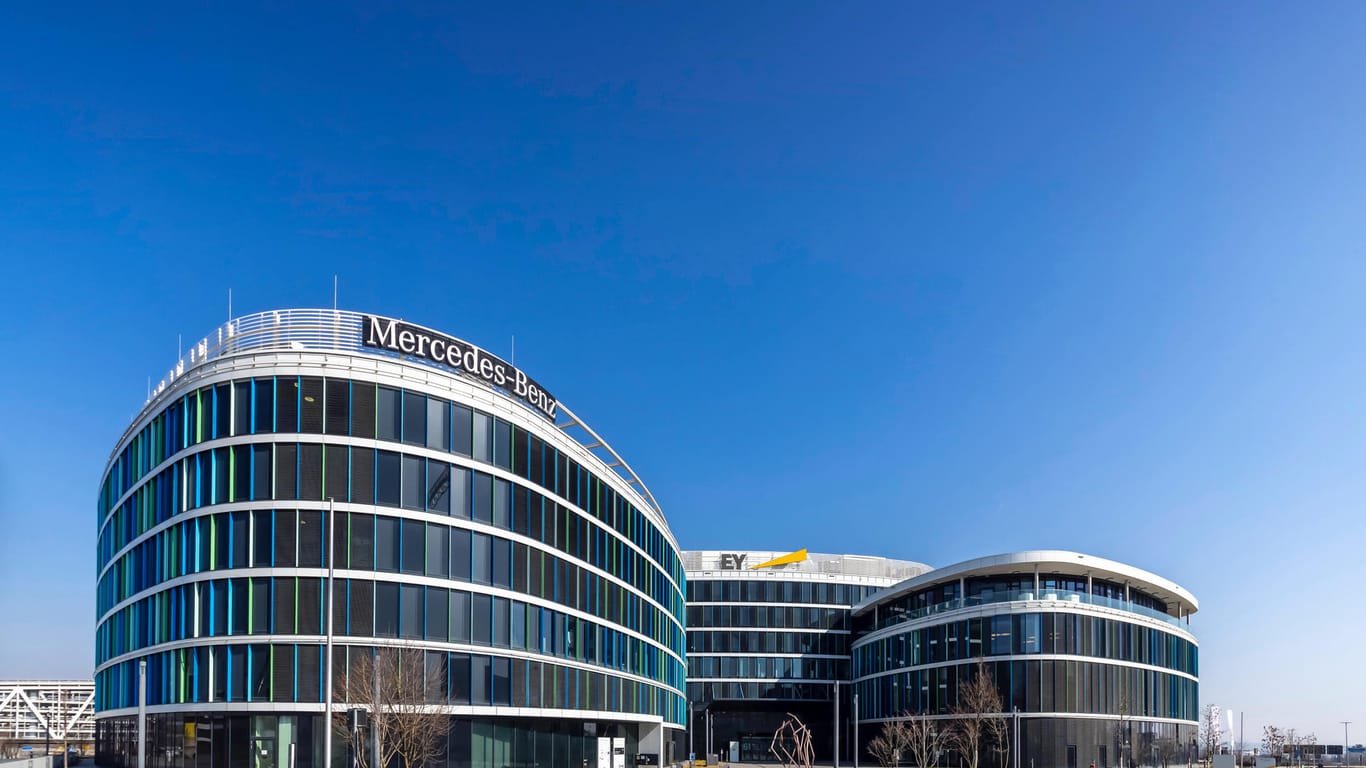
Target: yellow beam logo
795, 557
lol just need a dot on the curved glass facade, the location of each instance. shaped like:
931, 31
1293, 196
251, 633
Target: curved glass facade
531, 574
1082, 658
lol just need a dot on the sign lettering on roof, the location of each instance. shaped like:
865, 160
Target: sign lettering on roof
397, 336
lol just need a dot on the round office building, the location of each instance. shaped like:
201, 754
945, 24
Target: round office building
1093, 660
479, 533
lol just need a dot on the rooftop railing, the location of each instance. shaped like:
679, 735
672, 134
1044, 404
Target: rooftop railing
876, 569
331, 330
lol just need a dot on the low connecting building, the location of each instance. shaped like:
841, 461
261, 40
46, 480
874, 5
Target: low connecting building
769, 636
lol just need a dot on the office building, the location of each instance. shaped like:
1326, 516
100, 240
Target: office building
768, 636
477, 520
1093, 660
1092, 654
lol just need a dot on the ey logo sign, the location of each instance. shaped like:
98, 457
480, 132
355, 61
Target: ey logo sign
732, 562
735, 561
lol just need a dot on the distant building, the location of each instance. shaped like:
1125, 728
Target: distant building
36, 712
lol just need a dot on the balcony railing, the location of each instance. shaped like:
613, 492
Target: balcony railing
884, 619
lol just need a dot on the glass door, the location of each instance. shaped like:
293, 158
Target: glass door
264, 746
263, 752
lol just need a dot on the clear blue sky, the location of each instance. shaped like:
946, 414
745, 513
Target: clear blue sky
921, 281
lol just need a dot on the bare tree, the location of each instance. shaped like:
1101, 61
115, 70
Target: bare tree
979, 703
1167, 750
1310, 746
998, 737
792, 743
1273, 740
891, 743
1211, 731
895, 741
397, 688
1124, 726
1290, 736
925, 741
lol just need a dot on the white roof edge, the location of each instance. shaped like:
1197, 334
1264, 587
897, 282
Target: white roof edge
885, 571
1064, 560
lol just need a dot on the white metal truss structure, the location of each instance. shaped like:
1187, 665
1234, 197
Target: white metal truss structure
36, 710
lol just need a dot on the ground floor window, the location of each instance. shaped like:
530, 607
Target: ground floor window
193, 740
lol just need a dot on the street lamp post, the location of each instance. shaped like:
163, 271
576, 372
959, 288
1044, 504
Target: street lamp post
1345, 723
142, 713
1015, 712
856, 744
692, 712
711, 736
836, 689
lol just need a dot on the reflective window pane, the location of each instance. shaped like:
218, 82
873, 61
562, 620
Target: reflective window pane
438, 428
387, 478
414, 547
411, 603
483, 437
481, 559
387, 407
502, 495
460, 616
481, 495
386, 544
438, 550
386, 609
459, 492
438, 494
414, 418
438, 614
460, 554
414, 482
481, 616
461, 427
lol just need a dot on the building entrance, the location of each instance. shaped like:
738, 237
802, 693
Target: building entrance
756, 748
